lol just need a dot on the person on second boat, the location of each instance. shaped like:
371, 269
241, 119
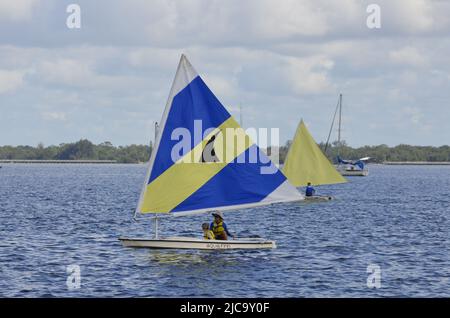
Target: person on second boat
219, 227
310, 191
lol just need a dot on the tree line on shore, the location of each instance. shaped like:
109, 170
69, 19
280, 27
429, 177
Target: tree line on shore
86, 150
80, 150
380, 153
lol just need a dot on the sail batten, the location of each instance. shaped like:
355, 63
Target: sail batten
209, 172
305, 162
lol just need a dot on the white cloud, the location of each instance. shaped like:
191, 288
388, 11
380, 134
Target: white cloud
82, 73
416, 117
309, 75
213, 23
410, 16
151, 58
59, 116
10, 80
224, 87
17, 10
414, 114
409, 56
65, 71
276, 58
287, 18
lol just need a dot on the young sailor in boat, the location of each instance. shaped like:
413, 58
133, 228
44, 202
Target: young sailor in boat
310, 191
207, 233
219, 227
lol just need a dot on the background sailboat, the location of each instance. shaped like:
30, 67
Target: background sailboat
180, 181
305, 162
346, 167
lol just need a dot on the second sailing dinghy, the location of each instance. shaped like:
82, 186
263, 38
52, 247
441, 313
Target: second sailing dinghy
202, 162
305, 162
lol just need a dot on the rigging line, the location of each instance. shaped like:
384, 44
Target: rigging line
332, 124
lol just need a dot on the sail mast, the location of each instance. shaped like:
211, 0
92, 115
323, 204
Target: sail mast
340, 118
331, 128
156, 131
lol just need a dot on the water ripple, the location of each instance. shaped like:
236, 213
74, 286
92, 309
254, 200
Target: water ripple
56, 215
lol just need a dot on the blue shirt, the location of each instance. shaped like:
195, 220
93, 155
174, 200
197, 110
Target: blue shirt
310, 191
224, 227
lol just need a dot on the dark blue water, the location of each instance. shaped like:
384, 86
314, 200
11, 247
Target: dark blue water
52, 216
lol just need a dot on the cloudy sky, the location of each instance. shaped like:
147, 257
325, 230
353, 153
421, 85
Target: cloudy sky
281, 60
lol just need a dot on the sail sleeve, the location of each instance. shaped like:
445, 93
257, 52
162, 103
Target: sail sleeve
203, 160
305, 162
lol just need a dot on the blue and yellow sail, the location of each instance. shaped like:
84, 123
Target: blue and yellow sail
203, 160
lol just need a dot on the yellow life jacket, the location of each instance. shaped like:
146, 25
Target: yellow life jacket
218, 229
208, 235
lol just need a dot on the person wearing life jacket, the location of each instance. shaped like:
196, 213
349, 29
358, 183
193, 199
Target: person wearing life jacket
219, 227
310, 191
207, 233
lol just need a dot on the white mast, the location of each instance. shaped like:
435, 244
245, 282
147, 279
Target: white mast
340, 119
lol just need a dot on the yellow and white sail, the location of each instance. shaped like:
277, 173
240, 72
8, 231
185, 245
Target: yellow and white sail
305, 162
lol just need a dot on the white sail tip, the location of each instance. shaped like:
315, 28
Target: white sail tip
184, 59
185, 70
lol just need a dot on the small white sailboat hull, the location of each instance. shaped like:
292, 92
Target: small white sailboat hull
318, 198
353, 172
200, 244
362, 173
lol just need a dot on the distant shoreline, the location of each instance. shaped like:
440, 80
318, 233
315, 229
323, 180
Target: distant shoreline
85, 151
24, 161
417, 163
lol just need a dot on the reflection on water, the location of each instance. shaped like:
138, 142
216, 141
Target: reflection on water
179, 258
198, 260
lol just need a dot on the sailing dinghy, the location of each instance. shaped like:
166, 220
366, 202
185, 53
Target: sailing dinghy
203, 161
305, 162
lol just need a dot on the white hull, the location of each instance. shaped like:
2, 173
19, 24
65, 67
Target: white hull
352, 172
318, 198
195, 243
356, 173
